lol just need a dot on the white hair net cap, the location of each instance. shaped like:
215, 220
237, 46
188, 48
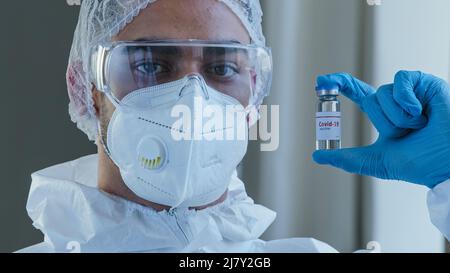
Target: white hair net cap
98, 22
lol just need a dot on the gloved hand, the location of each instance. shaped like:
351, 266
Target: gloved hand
412, 116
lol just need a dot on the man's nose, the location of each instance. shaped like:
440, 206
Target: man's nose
189, 68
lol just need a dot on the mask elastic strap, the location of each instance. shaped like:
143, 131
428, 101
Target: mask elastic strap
105, 147
118, 107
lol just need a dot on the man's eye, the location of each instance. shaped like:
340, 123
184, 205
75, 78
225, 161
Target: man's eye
222, 70
151, 68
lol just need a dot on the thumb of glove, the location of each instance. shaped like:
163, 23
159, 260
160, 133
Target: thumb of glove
363, 160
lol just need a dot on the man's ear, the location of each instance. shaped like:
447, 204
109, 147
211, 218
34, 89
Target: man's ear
97, 96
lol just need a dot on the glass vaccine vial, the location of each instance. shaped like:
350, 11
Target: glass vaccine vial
328, 119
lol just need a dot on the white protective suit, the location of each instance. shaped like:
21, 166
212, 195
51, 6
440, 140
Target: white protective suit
66, 205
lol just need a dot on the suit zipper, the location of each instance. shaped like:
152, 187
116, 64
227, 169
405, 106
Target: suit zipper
173, 212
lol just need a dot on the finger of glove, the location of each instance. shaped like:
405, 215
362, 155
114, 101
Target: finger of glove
348, 85
379, 119
396, 114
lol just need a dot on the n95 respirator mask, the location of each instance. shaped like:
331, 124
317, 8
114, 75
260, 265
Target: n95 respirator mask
179, 143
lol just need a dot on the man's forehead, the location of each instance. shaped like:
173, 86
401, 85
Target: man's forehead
199, 20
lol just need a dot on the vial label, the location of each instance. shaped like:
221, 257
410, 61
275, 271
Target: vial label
328, 126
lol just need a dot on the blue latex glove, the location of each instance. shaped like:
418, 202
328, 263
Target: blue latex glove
412, 116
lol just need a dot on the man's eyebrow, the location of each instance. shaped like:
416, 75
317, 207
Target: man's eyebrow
207, 51
147, 39
230, 41
159, 39
222, 51
157, 50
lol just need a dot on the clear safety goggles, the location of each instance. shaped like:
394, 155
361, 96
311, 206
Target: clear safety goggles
243, 72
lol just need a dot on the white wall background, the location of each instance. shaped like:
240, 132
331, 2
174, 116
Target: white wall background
411, 35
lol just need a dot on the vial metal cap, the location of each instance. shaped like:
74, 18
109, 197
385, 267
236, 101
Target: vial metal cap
320, 91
